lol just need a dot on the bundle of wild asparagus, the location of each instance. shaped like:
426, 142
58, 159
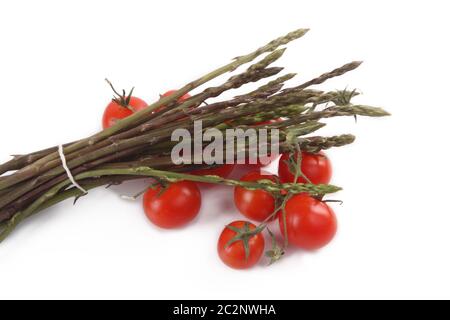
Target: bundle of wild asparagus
140, 145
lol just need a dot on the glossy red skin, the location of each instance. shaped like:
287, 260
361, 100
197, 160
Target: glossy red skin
115, 111
256, 205
317, 167
234, 255
311, 224
223, 171
179, 204
272, 158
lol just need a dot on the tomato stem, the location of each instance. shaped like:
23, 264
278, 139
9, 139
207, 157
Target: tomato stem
122, 99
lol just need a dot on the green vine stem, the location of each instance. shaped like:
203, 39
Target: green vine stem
168, 176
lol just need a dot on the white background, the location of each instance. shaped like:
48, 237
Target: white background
394, 225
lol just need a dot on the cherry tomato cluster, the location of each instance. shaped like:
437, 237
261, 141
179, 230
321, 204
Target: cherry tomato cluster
304, 222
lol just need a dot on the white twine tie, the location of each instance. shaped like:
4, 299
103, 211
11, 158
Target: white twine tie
69, 174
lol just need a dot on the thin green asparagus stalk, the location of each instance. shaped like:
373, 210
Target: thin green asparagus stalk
338, 111
316, 144
332, 74
270, 86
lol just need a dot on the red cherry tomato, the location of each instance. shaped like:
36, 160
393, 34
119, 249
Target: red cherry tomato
311, 224
255, 204
316, 167
222, 171
174, 206
234, 255
115, 111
